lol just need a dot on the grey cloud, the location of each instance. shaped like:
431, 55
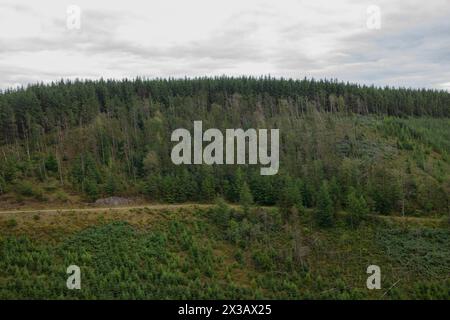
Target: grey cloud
411, 49
97, 36
400, 54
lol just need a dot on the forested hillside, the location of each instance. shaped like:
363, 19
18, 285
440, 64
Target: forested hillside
349, 157
218, 253
342, 146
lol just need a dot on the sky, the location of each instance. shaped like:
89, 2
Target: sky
400, 43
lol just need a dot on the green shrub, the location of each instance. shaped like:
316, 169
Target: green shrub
357, 208
51, 164
221, 213
25, 189
39, 194
11, 223
262, 260
91, 189
61, 196
51, 185
239, 256
325, 207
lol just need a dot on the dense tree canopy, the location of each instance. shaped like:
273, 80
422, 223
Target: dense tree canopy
111, 137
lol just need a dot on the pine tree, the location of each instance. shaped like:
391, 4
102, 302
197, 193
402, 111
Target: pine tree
221, 213
245, 197
357, 208
111, 186
335, 193
91, 189
290, 196
325, 208
169, 189
51, 164
152, 187
7, 123
236, 185
207, 191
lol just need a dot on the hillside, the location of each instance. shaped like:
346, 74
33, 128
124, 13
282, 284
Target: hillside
364, 179
219, 253
75, 142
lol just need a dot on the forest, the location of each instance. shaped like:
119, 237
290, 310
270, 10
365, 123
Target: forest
83, 140
364, 178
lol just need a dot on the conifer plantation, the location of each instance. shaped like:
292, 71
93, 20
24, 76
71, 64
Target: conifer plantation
364, 179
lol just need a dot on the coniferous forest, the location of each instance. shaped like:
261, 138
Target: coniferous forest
364, 179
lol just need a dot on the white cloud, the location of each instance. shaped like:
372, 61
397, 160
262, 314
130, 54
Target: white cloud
290, 38
445, 86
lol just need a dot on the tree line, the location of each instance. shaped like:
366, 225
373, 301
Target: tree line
343, 146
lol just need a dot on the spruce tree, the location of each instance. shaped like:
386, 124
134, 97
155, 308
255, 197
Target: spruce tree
51, 164
290, 196
325, 208
111, 186
245, 197
357, 208
221, 213
207, 191
91, 189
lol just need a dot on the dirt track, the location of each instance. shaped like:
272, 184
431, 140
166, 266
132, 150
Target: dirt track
180, 206
119, 208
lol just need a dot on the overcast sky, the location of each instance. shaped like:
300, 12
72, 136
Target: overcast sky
177, 38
